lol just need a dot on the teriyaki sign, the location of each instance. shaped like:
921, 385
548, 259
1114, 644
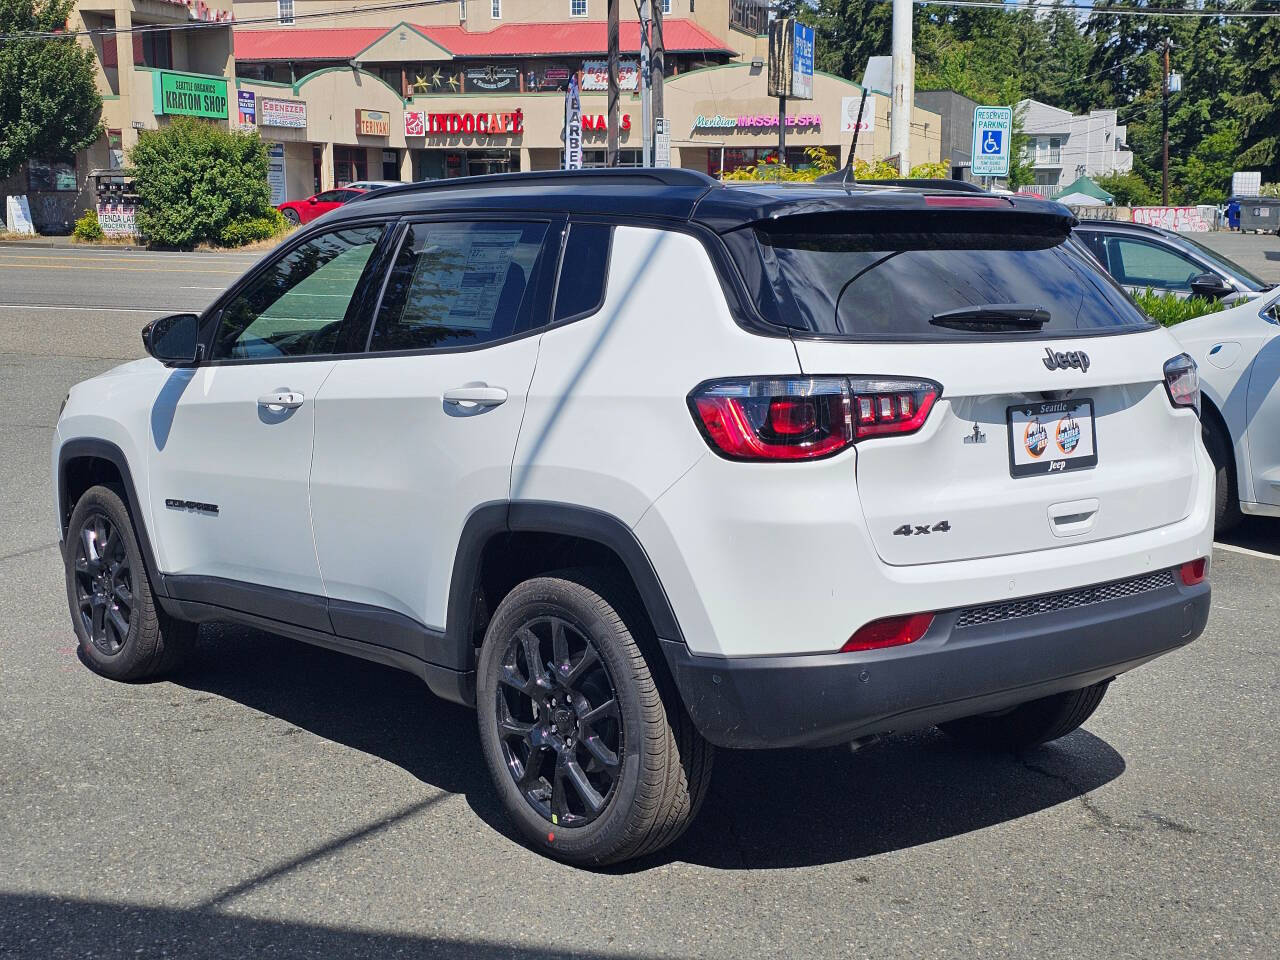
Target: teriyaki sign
189, 95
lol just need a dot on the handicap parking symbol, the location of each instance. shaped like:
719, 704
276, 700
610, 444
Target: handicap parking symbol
991, 141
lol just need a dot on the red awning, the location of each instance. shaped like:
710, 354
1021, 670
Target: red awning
508, 40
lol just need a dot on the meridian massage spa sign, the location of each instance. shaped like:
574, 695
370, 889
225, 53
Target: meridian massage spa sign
756, 121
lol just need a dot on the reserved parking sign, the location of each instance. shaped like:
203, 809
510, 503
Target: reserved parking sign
992, 140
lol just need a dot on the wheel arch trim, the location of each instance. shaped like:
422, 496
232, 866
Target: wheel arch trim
584, 523
95, 448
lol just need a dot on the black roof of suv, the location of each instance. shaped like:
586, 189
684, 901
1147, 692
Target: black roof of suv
676, 194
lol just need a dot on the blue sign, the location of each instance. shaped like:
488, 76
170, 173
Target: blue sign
247, 104
802, 62
992, 136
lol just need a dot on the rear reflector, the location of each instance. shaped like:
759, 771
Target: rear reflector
1193, 571
889, 632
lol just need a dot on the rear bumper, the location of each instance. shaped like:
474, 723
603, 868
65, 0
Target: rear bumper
953, 671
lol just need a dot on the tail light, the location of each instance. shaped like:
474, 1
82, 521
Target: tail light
889, 632
1182, 381
803, 418
1193, 571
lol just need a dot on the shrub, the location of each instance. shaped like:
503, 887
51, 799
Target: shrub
195, 179
1167, 309
1129, 189
237, 233
87, 228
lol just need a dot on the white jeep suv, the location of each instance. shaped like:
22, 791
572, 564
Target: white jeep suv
639, 464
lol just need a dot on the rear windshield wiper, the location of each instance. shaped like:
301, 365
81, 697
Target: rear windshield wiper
994, 318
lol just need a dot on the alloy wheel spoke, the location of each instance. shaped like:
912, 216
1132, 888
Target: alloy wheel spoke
98, 617
532, 768
112, 544
559, 645
559, 801
607, 709
602, 754
582, 786
123, 595
585, 663
92, 562
118, 622
533, 657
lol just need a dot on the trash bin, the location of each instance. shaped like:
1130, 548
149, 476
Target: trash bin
1260, 213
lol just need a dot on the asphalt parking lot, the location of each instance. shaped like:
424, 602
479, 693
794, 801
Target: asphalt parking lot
279, 800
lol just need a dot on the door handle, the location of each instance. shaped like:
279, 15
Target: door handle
481, 395
285, 400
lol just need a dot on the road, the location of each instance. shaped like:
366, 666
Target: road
279, 800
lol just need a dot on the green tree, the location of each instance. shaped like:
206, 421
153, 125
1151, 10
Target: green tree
1257, 99
49, 100
1129, 189
198, 183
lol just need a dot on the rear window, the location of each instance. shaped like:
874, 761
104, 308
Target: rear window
863, 276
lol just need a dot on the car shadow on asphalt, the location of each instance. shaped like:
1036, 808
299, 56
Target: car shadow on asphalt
765, 809
1255, 533
44, 927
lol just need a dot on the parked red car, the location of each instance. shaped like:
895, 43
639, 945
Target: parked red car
304, 211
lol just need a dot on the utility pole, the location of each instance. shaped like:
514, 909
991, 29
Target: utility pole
904, 86
1165, 123
644, 7
657, 57
611, 153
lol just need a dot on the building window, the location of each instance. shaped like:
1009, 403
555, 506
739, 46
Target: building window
666, 7
110, 58
153, 49
577, 8
46, 176
349, 165
495, 9
749, 16
284, 11
462, 9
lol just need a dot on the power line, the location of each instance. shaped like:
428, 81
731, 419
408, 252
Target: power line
1107, 11
215, 24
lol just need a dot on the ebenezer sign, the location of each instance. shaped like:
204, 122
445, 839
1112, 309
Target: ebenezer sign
189, 95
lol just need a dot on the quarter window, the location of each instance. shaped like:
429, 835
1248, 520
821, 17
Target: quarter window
284, 11
1137, 263
584, 270
457, 284
297, 306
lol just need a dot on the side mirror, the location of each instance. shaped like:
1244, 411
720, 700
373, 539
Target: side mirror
1210, 286
174, 340
311, 199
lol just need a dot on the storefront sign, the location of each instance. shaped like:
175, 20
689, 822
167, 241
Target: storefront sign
492, 79
849, 107
275, 173
373, 123
572, 127
756, 121
790, 59
595, 74
282, 113
549, 78
118, 219
599, 123
420, 124
190, 96
247, 103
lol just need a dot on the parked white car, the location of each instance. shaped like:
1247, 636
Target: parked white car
1238, 352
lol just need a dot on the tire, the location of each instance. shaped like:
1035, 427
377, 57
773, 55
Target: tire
123, 633
661, 767
1029, 724
1227, 513
292, 216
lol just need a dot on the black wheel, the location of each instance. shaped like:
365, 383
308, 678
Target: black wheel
1226, 491
592, 760
123, 634
1029, 724
292, 216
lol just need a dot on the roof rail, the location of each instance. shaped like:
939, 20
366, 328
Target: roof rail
917, 183
603, 176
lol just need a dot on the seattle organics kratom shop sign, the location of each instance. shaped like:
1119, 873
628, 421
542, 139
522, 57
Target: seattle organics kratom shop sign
189, 95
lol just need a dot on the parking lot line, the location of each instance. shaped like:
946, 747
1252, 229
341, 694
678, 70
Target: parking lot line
1245, 550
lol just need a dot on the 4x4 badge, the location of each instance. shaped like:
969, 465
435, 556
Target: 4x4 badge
1061, 361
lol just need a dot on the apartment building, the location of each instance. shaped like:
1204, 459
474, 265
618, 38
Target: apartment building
1063, 146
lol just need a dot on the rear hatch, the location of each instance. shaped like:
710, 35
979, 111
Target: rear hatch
1053, 425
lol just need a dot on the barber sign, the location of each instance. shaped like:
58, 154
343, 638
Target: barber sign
572, 126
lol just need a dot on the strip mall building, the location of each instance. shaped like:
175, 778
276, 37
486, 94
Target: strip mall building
446, 89
478, 88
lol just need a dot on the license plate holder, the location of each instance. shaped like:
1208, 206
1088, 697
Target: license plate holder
1051, 437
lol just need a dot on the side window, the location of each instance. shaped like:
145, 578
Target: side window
584, 270
296, 307
1145, 264
331, 196
460, 284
